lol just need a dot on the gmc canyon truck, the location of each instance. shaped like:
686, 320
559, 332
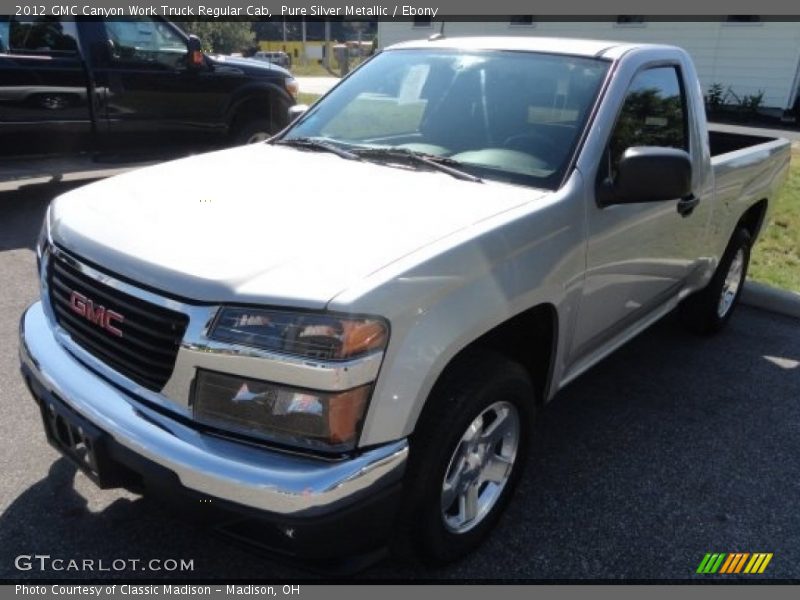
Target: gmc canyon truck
70, 84
356, 363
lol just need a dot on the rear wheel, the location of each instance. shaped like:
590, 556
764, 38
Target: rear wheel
467, 456
709, 310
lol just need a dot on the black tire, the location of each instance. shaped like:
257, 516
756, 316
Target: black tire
703, 312
466, 390
253, 131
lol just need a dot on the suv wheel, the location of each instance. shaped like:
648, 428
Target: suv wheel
252, 132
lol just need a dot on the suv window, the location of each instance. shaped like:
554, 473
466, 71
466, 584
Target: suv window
146, 42
3, 35
653, 114
41, 36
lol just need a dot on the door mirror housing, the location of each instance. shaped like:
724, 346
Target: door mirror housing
195, 49
648, 174
296, 111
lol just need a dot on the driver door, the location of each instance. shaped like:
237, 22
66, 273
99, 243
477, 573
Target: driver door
639, 255
149, 87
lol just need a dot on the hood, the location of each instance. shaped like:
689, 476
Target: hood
250, 66
267, 224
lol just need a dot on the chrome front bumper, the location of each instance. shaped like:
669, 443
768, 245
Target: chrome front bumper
252, 476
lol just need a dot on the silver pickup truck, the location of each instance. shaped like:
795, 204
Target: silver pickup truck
357, 355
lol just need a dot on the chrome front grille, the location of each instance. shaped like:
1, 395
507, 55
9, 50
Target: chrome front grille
142, 345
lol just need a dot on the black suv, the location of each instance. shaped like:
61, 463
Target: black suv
66, 83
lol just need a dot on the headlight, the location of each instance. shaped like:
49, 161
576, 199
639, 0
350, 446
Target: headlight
322, 336
292, 86
318, 420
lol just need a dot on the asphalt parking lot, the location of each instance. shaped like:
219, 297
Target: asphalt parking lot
673, 447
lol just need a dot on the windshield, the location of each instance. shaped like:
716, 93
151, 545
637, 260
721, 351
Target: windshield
506, 116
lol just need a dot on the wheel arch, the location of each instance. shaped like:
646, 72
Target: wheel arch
512, 339
259, 101
753, 218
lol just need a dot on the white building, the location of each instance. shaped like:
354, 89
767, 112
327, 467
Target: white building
745, 54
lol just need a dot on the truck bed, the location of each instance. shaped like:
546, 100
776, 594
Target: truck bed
723, 142
747, 170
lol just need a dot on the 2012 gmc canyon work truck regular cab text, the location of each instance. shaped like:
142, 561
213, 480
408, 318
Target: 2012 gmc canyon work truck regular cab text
475, 222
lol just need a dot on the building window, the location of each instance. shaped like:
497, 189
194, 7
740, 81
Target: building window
521, 21
630, 21
423, 21
743, 19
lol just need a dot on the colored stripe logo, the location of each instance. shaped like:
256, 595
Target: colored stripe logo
734, 562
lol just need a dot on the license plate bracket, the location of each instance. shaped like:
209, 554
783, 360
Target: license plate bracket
78, 439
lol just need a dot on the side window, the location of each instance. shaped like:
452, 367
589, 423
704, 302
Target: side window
146, 43
654, 114
3, 35
48, 36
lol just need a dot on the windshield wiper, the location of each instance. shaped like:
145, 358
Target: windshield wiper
315, 144
440, 163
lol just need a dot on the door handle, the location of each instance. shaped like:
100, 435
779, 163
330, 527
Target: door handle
687, 204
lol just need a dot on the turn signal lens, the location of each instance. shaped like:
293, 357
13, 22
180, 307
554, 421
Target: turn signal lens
360, 337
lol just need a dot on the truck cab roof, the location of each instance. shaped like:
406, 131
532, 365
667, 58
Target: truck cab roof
576, 47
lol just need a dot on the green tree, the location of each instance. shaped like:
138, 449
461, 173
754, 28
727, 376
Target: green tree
223, 37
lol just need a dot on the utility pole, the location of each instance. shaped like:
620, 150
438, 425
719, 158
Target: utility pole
327, 47
305, 55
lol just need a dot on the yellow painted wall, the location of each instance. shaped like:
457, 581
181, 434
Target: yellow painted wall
293, 49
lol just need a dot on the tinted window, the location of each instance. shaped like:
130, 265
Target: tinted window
654, 114
43, 35
146, 42
3, 34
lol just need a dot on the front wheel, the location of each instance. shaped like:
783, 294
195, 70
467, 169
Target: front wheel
467, 456
252, 132
709, 310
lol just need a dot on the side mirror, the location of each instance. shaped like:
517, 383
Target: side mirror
296, 111
195, 48
648, 174
104, 52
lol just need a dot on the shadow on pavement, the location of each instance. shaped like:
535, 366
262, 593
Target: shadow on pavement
52, 518
22, 211
672, 447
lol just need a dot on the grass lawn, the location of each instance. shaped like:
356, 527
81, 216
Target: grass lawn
304, 98
311, 69
776, 256
314, 68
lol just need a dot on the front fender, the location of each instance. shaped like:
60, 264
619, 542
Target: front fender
471, 283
